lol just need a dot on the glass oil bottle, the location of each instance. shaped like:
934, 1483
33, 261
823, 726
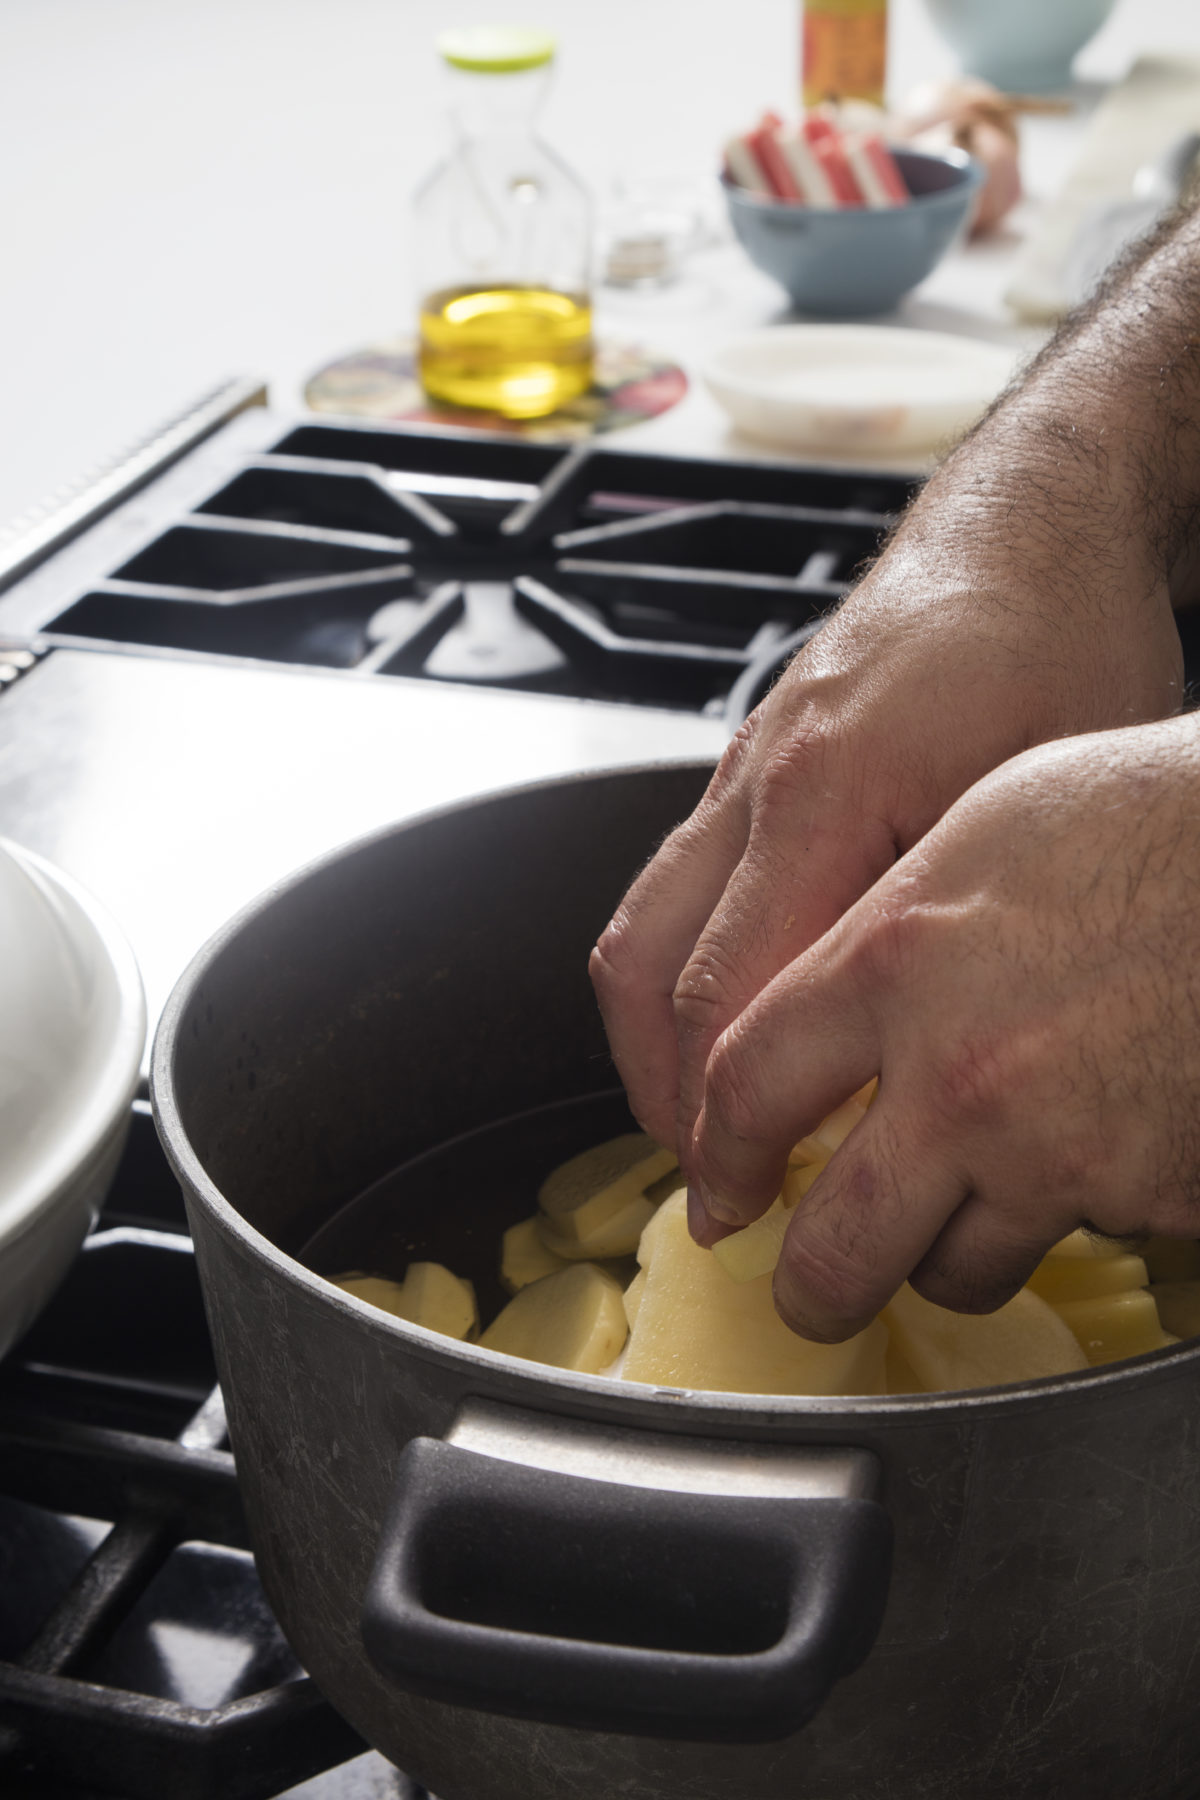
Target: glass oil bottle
503, 240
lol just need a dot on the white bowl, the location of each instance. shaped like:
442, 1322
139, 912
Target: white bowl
72, 1031
856, 388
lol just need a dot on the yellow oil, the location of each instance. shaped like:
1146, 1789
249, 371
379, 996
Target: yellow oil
520, 351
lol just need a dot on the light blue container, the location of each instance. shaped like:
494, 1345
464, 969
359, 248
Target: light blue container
1022, 46
853, 261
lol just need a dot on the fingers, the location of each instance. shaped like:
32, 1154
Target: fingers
868, 1219
800, 1047
636, 963
794, 881
989, 1248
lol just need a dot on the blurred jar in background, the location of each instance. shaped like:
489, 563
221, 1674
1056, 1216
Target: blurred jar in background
503, 239
843, 50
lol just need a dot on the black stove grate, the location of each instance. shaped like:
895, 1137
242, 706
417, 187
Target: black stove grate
138, 1656
599, 574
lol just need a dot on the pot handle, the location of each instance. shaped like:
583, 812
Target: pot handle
704, 1612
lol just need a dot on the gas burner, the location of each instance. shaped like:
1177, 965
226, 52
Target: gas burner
138, 1655
598, 574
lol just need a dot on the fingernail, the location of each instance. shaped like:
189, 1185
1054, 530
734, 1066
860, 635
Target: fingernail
704, 1229
715, 1207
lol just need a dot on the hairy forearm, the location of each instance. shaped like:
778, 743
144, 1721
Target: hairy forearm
1088, 472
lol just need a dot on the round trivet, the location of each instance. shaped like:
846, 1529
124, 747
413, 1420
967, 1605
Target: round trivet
381, 382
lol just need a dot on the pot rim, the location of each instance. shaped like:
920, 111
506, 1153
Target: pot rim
542, 1380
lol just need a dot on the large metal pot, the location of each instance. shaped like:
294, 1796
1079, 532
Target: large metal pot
664, 1571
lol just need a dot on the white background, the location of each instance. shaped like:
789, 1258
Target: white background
193, 191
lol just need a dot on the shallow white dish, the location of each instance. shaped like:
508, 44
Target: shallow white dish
851, 388
72, 1031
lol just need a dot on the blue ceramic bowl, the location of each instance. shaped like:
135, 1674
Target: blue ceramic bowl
851, 262
1023, 46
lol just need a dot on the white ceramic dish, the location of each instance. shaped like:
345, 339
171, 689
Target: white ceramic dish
852, 388
72, 1031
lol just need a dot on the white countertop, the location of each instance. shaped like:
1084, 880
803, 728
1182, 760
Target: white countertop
195, 191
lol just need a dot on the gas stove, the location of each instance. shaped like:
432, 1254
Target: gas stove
262, 636
455, 557
255, 638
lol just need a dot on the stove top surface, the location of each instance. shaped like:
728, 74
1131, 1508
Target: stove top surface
635, 579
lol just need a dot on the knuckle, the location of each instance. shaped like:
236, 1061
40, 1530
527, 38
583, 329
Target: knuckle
965, 1286
612, 964
732, 1097
787, 769
976, 1078
703, 995
903, 943
823, 1282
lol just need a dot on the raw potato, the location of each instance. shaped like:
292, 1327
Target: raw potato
429, 1295
1064, 1278
831, 1133
1021, 1341
1113, 1326
1088, 1244
633, 1297
611, 1230
627, 1164
1178, 1304
695, 1328
574, 1319
597, 1203
745, 1255
524, 1257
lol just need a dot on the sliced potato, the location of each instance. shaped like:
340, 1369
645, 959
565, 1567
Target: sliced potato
831, 1133
1178, 1304
524, 1257
574, 1319
1022, 1340
1112, 1326
596, 1204
694, 1327
629, 1164
429, 1295
1089, 1244
797, 1181
1062, 1278
633, 1297
598, 1230
745, 1255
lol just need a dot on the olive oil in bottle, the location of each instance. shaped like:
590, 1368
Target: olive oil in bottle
520, 351
503, 239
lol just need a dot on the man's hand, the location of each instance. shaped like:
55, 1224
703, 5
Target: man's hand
926, 679
1026, 982
1025, 598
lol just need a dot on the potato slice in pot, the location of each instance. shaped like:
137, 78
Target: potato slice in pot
745, 1255
574, 1319
1064, 1278
524, 1257
584, 1237
429, 1295
1110, 1327
597, 1204
628, 1165
695, 1327
948, 1351
633, 1297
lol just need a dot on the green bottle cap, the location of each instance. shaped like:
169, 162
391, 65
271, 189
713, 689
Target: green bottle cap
497, 49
